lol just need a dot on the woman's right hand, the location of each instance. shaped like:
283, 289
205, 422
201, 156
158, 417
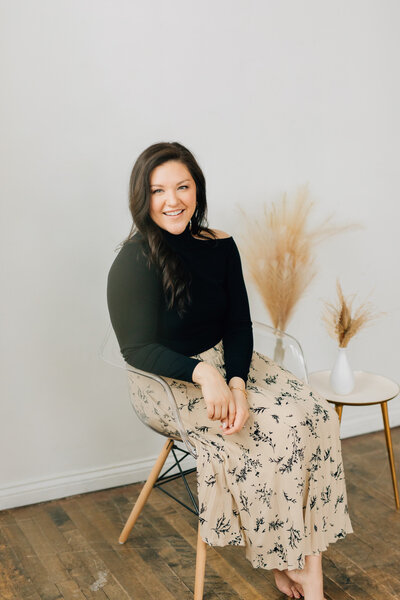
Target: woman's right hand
217, 395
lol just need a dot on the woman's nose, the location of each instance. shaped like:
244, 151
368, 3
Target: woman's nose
172, 198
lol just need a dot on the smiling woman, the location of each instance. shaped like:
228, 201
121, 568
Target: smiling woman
269, 468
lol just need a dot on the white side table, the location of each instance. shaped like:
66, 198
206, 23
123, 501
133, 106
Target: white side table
369, 389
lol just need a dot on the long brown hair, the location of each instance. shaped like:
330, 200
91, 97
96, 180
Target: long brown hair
175, 277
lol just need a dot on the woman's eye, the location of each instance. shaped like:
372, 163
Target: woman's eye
160, 190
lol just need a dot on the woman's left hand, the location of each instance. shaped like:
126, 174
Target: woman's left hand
237, 417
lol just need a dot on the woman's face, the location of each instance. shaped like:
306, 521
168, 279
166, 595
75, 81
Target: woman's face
172, 190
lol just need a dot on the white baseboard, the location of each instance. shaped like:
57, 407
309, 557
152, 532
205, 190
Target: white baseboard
83, 481
126, 473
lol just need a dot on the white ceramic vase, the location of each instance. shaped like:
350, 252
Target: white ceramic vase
342, 377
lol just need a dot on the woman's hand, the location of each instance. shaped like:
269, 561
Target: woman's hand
228, 406
238, 418
217, 395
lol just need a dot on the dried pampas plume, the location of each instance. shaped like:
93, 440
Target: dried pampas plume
340, 323
279, 251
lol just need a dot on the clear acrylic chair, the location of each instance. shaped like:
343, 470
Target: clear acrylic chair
281, 347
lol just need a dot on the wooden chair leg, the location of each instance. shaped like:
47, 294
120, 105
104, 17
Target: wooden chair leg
200, 567
390, 452
145, 493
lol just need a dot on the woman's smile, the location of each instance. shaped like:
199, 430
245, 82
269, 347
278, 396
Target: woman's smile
175, 213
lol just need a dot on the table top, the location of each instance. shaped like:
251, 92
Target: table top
369, 388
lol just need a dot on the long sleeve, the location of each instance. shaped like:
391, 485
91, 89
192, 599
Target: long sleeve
134, 293
238, 330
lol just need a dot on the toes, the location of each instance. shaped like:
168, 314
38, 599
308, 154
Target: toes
284, 588
298, 589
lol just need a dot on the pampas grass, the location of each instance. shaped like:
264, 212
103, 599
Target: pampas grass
279, 251
340, 321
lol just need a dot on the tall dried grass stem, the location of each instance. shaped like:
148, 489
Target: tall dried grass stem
340, 321
279, 251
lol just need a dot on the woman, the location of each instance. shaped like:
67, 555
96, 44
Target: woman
269, 471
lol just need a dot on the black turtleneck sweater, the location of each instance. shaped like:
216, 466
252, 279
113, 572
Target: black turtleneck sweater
155, 339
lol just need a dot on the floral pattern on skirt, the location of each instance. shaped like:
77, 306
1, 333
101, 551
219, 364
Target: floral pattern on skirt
277, 486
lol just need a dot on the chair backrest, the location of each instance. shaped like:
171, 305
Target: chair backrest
147, 389
282, 348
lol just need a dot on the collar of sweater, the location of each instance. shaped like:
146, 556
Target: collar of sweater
177, 238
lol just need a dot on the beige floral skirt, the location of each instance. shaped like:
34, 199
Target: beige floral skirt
277, 486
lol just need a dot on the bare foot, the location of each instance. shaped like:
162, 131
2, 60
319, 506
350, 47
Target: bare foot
286, 585
298, 586
310, 578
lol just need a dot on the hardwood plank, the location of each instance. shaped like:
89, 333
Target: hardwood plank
167, 584
59, 569
35, 572
386, 579
333, 591
340, 572
70, 590
76, 554
96, 532
359, 577
10, 572
51, 568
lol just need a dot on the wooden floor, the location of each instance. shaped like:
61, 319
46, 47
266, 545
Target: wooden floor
69, 548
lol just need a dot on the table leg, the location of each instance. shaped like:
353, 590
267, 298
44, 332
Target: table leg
339, 410
388, 436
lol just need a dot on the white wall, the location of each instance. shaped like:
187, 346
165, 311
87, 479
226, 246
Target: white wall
268, 95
